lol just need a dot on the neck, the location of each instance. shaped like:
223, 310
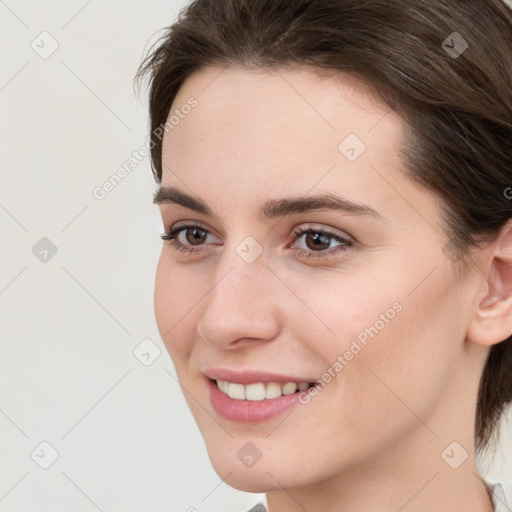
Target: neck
433, 495
406, 485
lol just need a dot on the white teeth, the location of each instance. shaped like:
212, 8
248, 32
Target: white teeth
236, 391
273, 390
255, 392
289, 388
259, 391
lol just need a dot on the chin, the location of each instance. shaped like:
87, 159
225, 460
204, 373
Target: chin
244, 480
263, 477
237, 475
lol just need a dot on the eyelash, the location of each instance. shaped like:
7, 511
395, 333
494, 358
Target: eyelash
171, 236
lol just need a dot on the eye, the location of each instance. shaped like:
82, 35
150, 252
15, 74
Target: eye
320, 241
191, 238
193, 235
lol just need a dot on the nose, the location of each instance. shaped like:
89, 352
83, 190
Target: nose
243, 306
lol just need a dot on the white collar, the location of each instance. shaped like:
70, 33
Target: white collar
499, 499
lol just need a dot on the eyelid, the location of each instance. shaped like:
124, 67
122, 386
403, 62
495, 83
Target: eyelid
299, 228
182, 224
312, 226
179, 227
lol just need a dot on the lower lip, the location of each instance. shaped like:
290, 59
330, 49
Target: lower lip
249, 411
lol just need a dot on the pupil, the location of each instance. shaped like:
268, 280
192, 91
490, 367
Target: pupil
315, 238
196, 238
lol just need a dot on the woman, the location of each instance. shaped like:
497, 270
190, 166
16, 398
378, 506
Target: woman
335, 284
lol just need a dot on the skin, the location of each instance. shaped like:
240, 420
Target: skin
372, 439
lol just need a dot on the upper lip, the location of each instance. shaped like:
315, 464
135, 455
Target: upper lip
251, 376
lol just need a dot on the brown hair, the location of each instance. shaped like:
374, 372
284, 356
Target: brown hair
458, 105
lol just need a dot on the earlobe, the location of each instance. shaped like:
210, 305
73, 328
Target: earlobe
492, 319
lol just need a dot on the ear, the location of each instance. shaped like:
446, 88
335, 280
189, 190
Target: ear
492, 319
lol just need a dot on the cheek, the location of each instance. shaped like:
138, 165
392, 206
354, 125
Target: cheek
394, 344
341, 307
406, 364
174, 299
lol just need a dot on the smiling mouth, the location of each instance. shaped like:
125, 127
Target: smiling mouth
260, 391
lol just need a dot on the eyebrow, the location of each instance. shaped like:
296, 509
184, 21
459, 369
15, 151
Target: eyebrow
272, 208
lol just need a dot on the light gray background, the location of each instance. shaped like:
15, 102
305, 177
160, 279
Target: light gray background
69, 325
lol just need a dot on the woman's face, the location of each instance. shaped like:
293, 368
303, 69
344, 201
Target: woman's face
366, 303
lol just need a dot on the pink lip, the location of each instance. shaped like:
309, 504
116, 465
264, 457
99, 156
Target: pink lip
252, 377
247, 411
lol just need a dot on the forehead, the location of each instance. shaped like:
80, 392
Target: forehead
297, 110
326, 100
254, 134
